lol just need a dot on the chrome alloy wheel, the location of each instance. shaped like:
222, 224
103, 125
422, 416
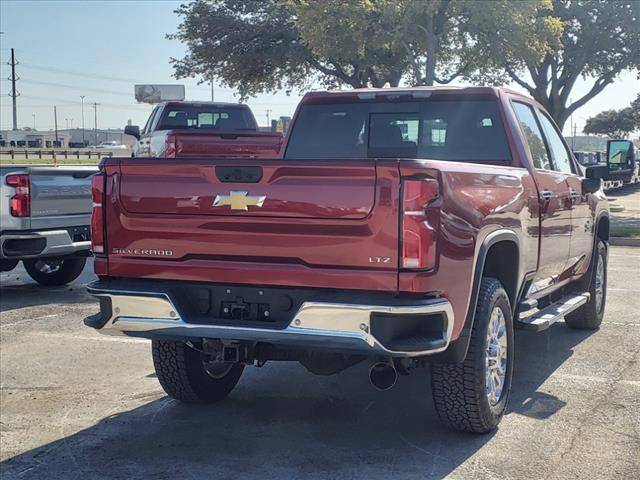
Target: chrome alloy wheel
496, 356
599, 283
215, 370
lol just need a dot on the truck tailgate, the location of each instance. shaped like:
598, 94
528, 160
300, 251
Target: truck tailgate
231, 144
58, 191
277, 222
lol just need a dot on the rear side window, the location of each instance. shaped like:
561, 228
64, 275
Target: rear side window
147, 125
206, 117
532, 135
455, 130
559, 152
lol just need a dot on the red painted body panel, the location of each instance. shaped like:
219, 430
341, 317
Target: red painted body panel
234, 144
311, 242
315, 190
322, 221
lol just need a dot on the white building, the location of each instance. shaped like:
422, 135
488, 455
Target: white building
33, 139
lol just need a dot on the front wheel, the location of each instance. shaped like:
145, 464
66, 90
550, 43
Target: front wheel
472, 396
590, 315
189, 376
55, 271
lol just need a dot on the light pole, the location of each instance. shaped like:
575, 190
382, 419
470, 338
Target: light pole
66, 122
95, 120
34, 120
82, 99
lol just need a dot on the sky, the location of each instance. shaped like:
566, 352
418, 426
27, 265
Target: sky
100, 49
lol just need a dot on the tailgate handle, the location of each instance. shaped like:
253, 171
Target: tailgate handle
233, 174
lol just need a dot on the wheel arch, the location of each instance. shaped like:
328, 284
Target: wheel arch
496, 257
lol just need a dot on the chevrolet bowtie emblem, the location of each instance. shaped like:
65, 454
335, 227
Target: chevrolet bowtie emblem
239, 200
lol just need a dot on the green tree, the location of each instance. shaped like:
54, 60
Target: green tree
446, 39
612, 123
266, 45
635, 111
260, 46
600, 39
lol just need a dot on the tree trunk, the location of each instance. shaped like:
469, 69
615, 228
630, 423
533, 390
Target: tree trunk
431, 50
554, 107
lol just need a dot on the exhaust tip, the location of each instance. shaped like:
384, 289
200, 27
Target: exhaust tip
383, 375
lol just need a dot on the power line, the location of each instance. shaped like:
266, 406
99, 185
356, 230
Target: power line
75, 87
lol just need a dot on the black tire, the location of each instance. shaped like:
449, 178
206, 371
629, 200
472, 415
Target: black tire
55, 271
589, 316
8, 265
182, 374
460, 390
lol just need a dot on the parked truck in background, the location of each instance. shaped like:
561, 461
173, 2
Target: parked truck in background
401, 227
45, 213
203, 129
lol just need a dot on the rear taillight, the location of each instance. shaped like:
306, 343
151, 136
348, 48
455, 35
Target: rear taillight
170, 150
20, 203
418, 229
97, 213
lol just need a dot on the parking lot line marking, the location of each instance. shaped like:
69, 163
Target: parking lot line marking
101, 338
590, 378
28, 320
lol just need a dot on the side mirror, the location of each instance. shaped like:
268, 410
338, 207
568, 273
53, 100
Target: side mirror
132, 130
594, 175
619, 154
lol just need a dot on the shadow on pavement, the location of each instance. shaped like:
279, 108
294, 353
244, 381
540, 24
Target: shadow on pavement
18, 290
282, 422
31, 294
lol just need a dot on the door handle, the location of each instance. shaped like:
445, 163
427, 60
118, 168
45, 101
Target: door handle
548, 195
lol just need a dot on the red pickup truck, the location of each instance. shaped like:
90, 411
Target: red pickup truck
402, 227
203, 129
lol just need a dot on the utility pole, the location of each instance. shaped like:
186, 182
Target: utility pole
82, 99
55, 122
212, 95
95, 120
34, 120
14, 93
268, 117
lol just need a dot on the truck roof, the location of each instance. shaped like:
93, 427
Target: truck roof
417, 92
243, 106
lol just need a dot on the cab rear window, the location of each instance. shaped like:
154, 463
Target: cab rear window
207, 118
455, 130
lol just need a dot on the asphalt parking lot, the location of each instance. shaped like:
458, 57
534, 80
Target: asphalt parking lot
75, 404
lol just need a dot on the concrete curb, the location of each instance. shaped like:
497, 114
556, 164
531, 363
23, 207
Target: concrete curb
624, 242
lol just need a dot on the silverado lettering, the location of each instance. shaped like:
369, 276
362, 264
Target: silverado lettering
405, 228
141, 251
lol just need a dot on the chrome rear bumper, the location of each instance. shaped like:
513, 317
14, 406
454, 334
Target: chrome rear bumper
53, 243
330, 326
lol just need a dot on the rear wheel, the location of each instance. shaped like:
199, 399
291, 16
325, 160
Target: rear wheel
189, 375
55, 271
472, 396
7, 265
589, 316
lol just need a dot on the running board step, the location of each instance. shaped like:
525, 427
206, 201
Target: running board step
550, 314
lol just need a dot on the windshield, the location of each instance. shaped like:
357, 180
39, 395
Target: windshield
209, 117
456, 130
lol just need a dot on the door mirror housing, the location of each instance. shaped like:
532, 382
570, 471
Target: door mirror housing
132, 130
594, 175
620, 154
597, 172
